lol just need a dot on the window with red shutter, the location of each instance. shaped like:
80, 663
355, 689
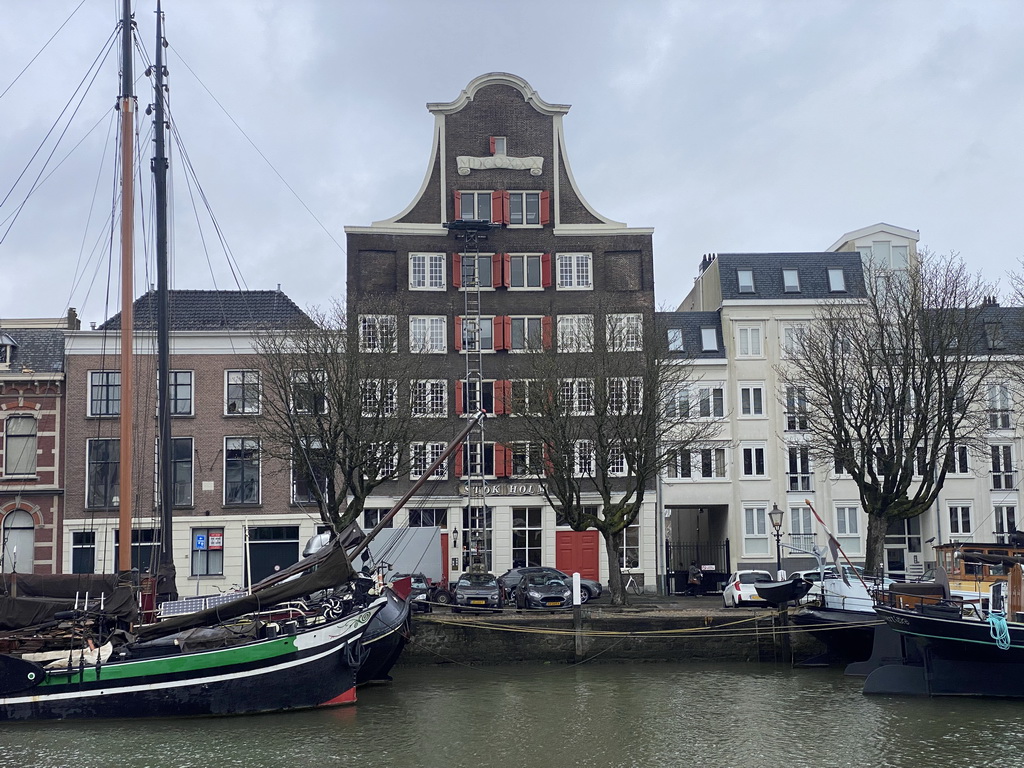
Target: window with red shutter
458, 334
545, 270
457, 270
545, 333
545, 208
457, 204
506, 268
497, 262
459, 410
460, 461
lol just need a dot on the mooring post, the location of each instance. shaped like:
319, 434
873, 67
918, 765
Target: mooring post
577, 615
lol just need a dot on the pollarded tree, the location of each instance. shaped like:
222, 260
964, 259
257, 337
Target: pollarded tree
597, 419
338, 407
891, 386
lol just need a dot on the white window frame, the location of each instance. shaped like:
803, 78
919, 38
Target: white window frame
836, 280
1000, 405
583, 458
755, 528
801, 526
751, 400
528, 455
526, 258
709, 340
1004, 521
477, 195
709, 400
526, 321
745, 281
466, 347
246, 385
1003, 466
749, 340
574, 272
625, 395
259, 469
524, 194
792, 339
378, 397
796, 412
428, 272
675, 340
576, 396
308, 379
90, 444
111, 379
374, 331
961, 464
173, 387
428, 398
474, 464
27, 455
791, 281
522, 388
799, 469
484, 264
422, 455
428, 334
961, 519
753, 450
575, 333
624, 331
848, 526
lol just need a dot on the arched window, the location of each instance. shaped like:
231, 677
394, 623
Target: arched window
19, 542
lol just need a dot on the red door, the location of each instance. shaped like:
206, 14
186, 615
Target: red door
578, 551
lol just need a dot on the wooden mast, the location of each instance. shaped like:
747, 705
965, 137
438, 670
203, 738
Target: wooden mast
127, 108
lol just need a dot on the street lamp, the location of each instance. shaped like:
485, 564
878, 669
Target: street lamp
776, 517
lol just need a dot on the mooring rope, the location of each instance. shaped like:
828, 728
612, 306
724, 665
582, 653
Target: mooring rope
998, 629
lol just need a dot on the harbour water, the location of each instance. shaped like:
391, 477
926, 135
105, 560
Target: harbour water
594, 715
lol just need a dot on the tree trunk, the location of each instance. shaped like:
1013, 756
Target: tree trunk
874, 557
616, 586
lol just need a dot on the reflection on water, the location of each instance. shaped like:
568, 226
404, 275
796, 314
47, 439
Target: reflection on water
758, 716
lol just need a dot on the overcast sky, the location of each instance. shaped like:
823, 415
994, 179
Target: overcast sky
726, 126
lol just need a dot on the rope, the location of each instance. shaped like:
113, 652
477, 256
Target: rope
998, 630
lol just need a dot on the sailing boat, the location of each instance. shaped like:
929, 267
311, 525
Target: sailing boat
299, 640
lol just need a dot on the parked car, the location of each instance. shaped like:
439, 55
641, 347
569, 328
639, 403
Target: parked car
589, 589
542, 590
739, 589
478, 591
419, 598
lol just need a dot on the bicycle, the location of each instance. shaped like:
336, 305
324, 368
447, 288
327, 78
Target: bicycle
632, 586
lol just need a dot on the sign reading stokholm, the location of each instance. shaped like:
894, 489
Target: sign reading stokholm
502, 489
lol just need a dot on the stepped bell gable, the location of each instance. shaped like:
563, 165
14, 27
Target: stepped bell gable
546, 266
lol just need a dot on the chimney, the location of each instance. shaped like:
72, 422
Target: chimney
74, 324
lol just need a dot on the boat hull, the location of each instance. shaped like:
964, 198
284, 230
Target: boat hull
315, 667
848, 635
384, 640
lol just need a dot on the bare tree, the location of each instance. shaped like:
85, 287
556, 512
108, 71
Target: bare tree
337, 407
889, 387
597, 423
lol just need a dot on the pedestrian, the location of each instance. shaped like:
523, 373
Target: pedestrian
695, 580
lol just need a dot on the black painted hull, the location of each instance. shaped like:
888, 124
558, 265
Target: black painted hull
848, 635
384, 640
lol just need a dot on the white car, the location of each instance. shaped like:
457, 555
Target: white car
739, 589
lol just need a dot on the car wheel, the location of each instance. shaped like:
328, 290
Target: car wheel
443, 597
584, 594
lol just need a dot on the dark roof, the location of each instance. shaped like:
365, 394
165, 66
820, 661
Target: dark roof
1000, 330
812, 268
216, 311
38, 349
691, 324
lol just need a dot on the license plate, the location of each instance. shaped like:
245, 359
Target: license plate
478, 602
756, 597
553, 602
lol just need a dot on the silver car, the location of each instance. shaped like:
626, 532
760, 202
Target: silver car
478, 591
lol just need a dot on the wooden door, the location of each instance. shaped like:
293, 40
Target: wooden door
578, 551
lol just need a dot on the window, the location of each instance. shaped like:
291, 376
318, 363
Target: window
526, 334
706, 463
478, 460
422, 455
428, 333
380, 460
994, 335
755, 530
527, 459
959, 519
1002, 467
498, 144
677, 403
309, 472
799, 468
241, 470
379, 397
745, 280
18, 542
617, 465
1005, 522
800, 527
675, 340
525, 270
753, 460
103, 459
629, 550
181, 470
243, 393
752, 400
523, 208
271, 548
477, 529
576, 396
207, 551
999, 406
526, 396
372, 518
583, 458
574, 272
957, 464
429, 397
378, 333
575, 333
793, 337
711, 402
527, 536
836, 280
477, 396
83, 552
796, 409
180, 392
474, 337
478, 272
145, 547
309, 392
748, 341
625, 395
428, 518
848, 528
708, 340
475, 205
625, 332
883, 255
104, 393
426, 271
791, 280
20, 442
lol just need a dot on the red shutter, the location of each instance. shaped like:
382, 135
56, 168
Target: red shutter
504, 208
458, 397
549, 468
499, 398
458, 460
497, 207
545, 270
508, 461
545, 332
545, 208
457, 199
497, 260
506, 262
500, 460
498, 330
492, 145
506, 331
458, 334
456, 270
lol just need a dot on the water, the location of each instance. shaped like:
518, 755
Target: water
607, 716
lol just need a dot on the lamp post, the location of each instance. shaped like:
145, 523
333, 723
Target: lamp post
776, 517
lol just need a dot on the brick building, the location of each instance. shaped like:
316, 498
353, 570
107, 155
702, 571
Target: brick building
551, 270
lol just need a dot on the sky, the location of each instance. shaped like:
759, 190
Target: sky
727, 126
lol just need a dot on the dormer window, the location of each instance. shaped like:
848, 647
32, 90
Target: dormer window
836, 280
745, 280
498, 145
994, 335
791, 280
7, 345
708, 340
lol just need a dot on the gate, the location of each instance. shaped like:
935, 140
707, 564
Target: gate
679, 556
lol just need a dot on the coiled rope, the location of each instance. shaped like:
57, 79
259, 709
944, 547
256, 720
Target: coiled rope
998, 630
